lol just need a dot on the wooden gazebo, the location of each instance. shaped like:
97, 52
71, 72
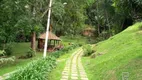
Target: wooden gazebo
88, 31
53, 41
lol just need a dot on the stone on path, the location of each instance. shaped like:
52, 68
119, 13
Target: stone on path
74, 78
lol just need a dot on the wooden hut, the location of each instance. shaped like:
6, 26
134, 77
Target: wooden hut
53, 41
88, 31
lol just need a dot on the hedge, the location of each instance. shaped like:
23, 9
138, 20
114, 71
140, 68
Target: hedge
88, 50
36, 70
57, 54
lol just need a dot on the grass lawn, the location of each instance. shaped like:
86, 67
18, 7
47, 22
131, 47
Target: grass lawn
56, 74
18, 50
122, 56
75, 39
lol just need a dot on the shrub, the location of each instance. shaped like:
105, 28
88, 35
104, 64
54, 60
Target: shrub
30, 53
93, 55
36, 70
2, 52
88, 50
8, 49
57, 54
4, 61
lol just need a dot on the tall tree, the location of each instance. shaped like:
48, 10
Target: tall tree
114, 16
70, 17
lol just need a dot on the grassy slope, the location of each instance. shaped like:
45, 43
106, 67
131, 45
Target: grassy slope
122, 53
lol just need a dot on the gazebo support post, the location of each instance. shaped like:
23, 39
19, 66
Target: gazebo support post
54, 43
49, 42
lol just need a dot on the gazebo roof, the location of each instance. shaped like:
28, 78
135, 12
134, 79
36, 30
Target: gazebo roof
50, 37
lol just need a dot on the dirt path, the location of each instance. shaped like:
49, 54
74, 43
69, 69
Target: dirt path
74, 69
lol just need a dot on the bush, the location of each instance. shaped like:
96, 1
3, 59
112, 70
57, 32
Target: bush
4, 61
30, 53
2, 52
36, 70
93, 55
8, 49
88, 50
57, 54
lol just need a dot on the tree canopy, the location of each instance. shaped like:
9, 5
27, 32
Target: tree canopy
114, 16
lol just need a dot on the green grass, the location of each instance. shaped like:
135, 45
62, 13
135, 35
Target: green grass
75, 39
21, 48
121, 53
56, 74
18, 50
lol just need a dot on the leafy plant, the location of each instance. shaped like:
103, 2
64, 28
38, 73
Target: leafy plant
88, 50
36, 70
30, 53
57, 54
4, 61
2, 52
8, 49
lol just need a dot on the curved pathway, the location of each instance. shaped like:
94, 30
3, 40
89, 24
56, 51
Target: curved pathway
74, 69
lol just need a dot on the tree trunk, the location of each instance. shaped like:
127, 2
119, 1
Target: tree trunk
33, 41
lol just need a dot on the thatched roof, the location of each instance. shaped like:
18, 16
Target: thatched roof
50, 37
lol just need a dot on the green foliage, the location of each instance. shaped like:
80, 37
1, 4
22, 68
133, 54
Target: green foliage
20, 18
36, 70
5, 61
88, 50
113, 16
65, 50
8, 49
70, 17
30, 53
2, 52
40, 69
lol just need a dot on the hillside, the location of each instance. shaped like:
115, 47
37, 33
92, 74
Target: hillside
120, 55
